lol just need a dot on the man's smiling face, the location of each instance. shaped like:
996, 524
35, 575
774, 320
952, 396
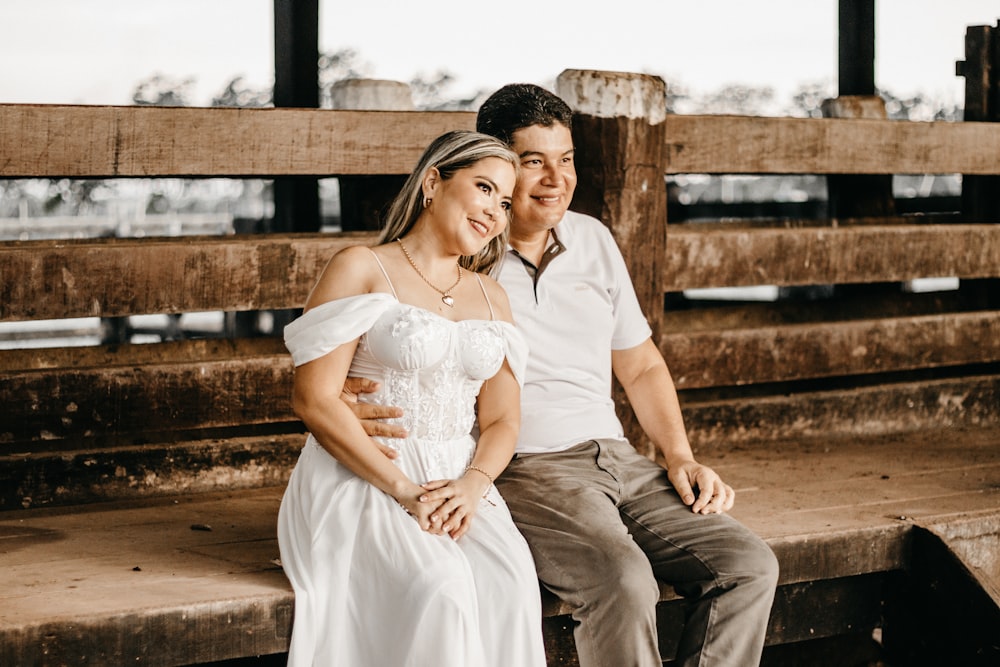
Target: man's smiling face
548, 177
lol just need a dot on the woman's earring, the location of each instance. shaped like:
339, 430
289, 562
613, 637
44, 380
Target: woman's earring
427, 202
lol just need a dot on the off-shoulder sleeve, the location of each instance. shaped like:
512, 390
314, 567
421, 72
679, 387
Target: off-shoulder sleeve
516, 350
333, 323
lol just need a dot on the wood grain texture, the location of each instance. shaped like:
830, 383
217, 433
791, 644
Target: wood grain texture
108, 141
112, 277
114, 141
152, 399
826, 349
758, 145
700, 256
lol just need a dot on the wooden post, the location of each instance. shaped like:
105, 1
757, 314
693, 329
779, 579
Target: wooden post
981, 69
296, 84
363, 198
859, 196
620, 141
981, 194
856, 47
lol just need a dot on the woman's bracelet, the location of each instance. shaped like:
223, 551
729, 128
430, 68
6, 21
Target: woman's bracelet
489, 477
478, 469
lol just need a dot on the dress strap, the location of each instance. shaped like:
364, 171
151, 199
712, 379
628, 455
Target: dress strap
487, 296
379, 262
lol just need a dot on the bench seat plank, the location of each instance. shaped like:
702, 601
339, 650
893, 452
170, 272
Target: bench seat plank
194, 578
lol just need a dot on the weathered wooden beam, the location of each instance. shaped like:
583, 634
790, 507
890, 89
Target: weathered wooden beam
102, 142
828, 349
197, 350
719, 423
618, 136
296, 84
757, 145
78, 476
115, 277
981, 69
706, 256
59, 279
143, 401
719, 316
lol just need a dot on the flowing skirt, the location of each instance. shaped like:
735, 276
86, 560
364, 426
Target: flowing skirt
373, 589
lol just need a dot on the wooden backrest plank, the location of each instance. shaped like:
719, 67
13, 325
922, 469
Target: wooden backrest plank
879, 408
700, 256
105, 356
830, 349
757, 145
114, 277
185, 386
107, 403
109, 141
58, 279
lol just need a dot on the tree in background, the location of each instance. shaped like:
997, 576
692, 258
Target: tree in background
238, 94
162, 91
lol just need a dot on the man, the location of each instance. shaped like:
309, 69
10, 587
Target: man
604, 523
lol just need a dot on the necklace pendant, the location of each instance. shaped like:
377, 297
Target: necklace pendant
448, 300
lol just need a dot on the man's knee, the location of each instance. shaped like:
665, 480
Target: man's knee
755, 568
626, 584
759, 563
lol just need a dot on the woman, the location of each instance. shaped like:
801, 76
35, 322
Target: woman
413, 559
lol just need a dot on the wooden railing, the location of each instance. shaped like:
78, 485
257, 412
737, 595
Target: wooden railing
89, 399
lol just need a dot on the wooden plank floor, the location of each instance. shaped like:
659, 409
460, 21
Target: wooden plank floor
197, 578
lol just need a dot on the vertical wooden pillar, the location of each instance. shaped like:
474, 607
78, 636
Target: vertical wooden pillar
856, 47
981, 69
858, 196
296, 84
363, 199
620, 141
981, 194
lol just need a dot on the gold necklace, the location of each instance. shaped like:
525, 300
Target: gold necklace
446, 298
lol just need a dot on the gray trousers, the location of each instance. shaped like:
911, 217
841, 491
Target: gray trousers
604, 524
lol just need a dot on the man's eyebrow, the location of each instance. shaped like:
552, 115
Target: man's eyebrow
524, 154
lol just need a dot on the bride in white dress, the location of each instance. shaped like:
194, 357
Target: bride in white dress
402, 552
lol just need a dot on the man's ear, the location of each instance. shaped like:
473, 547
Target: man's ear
431, 182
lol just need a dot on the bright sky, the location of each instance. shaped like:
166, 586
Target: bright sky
96, 51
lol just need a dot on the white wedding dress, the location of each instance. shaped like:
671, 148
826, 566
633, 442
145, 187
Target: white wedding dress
371, 588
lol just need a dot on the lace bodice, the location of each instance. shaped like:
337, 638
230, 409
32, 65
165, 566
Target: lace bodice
430, 366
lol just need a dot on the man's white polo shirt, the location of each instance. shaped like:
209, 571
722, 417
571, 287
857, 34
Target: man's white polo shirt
581, 307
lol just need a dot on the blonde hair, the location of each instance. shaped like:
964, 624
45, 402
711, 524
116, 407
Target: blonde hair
449, 153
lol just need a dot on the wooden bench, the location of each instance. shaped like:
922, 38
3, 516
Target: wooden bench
844, 424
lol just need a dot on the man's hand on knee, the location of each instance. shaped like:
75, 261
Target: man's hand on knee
372, 416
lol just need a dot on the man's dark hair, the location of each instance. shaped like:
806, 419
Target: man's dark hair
520, 105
